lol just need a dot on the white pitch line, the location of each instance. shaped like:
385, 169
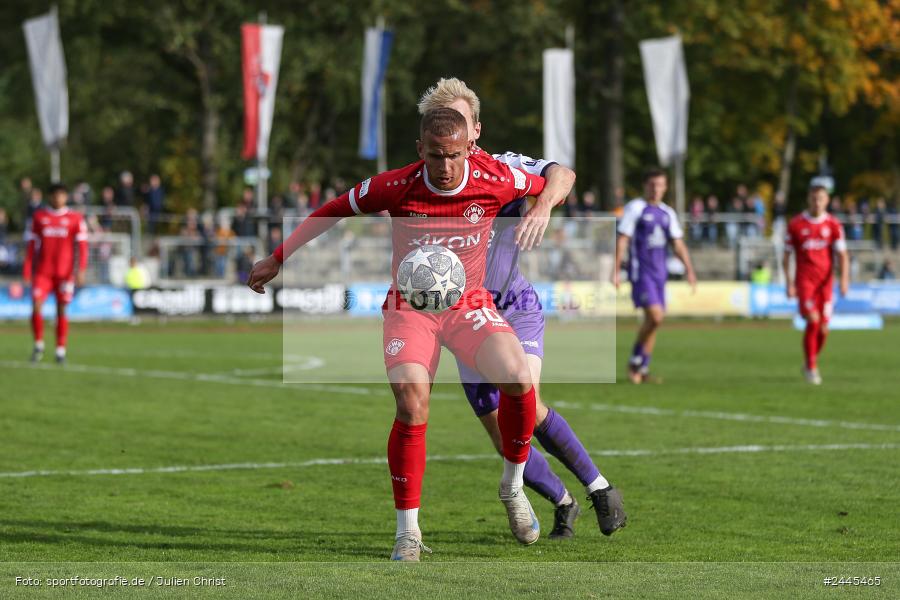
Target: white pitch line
315, 462
725, 416
70, 368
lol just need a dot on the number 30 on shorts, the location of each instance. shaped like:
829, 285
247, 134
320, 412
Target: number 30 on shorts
481, 316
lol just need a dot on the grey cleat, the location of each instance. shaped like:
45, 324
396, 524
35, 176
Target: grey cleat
607, 504
564, 520
522, 521
407, 549
37, 355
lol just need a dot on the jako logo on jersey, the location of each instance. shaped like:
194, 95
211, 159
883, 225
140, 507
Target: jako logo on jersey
394, 347
474, 213
813, 244
364, 187
55, 232
518, 178
453, 242
418, 215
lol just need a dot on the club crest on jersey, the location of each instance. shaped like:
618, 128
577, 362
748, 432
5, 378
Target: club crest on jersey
826, 232
474, 213
394, 347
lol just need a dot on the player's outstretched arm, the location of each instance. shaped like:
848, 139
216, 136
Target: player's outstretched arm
317, 223
684, 256
530, 231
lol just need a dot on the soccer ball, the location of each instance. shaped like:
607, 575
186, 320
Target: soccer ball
431, 278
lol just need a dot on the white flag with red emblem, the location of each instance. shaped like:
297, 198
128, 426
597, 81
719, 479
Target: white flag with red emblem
260, 57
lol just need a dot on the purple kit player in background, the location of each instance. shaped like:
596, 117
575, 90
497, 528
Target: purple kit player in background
646, 229
518, 302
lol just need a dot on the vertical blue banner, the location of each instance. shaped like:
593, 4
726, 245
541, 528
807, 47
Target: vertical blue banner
376, 55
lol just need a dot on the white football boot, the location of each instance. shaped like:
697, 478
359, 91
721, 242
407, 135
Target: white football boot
812, 376
407, 548
522, 521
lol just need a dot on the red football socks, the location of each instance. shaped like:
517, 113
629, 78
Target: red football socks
811, 343
406, 461
516, 420
62, 331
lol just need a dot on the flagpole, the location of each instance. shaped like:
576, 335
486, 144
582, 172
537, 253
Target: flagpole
679, 185
262, 183
54, 164
382, 116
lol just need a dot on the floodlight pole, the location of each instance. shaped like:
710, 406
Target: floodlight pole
382, 115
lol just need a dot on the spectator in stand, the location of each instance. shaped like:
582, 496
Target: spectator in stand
25, 187
853, 225
194, 242
275, 239
712, 212
836, 208
276, 211
315, 195
224, 234
155, 200
292, 196
749, 226
887, 272
4, 225
759, 208
878, 222
589, 204
303, 206
137, 277
779, 218
893, 226
245, 261
242, 224
108, 204
697, 217
81, 195
248, 199
761, 274
34, 202
561, 264
125, 191
733, 225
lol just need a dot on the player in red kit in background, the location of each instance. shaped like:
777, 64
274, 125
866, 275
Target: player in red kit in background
50, 263
815, 237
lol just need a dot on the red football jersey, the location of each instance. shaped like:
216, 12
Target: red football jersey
51, 244
421, 214
814, 242
458, 219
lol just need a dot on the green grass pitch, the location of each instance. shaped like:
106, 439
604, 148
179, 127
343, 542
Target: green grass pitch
738, 478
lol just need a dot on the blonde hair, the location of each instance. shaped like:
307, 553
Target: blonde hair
445, 92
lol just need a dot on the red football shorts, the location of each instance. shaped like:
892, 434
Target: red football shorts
815, 297
412, 336
64, 288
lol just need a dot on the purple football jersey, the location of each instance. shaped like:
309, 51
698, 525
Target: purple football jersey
651, 227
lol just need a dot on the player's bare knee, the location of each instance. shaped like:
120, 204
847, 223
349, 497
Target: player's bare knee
517, 383
412, 402
813, 317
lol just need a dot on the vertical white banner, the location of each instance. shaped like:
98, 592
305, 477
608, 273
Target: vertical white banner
48, 76
269, 63
668, 93
559, 106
